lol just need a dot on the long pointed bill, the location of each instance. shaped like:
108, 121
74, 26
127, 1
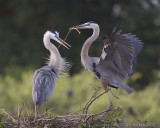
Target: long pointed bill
62, 42
78, 27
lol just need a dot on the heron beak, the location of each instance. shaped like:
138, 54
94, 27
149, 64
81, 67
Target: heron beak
62, 42
77, 27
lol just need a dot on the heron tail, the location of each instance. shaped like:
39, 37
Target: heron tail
122, 85
125, 87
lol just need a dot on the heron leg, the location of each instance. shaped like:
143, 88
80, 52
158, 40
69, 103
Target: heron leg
36, 112
111, 104
46, 106
105, 86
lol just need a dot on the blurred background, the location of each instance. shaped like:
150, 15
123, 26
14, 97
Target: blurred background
22, 25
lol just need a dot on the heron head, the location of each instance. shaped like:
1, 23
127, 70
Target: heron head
88, 25
53, 34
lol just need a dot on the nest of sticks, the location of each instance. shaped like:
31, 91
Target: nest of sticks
81, 118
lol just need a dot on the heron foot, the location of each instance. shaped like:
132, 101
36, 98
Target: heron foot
35, 119
108, 109
110, 106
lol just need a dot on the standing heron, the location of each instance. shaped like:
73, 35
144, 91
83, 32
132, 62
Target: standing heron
44, 79
118, 58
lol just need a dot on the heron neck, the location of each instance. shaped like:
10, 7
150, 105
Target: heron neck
87, 44
55, 57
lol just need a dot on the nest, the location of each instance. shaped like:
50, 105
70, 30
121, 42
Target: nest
81, 118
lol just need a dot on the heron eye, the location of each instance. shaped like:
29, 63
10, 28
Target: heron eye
56, 35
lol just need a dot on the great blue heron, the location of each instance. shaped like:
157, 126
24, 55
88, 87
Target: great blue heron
44, 79
118, 58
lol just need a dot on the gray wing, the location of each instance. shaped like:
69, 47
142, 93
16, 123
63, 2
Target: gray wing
120, 54
137, 45
44, 83
119, 57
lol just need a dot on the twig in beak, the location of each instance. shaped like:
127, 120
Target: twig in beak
77, 30
65, 38
67, 35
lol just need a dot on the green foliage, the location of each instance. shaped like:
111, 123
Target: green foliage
2, 118
72, 94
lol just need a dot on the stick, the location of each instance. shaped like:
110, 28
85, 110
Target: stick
90, 100
65, 37
9, 116
93, 101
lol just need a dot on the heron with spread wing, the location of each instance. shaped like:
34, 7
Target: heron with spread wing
118, 58
44, 79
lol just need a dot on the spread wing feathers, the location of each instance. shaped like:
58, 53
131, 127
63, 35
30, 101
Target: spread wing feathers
44, 83
120, 52
138, 45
